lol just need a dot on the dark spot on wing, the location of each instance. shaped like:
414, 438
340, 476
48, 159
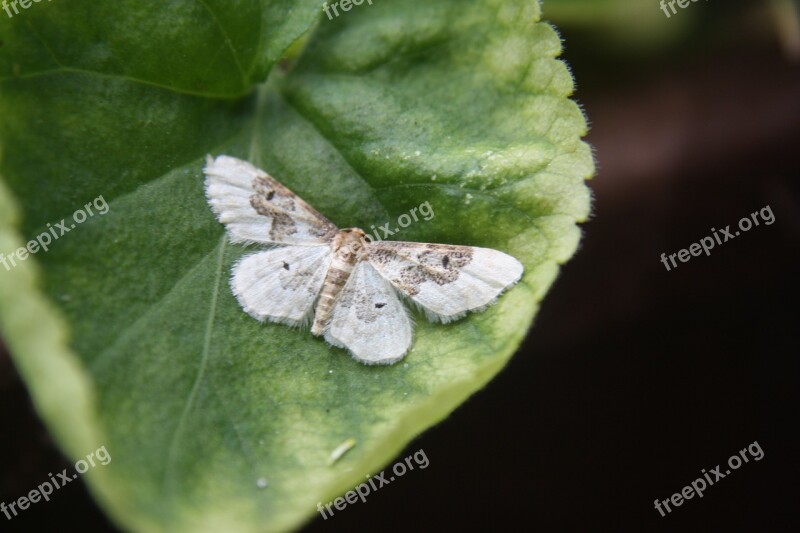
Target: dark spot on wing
273, 200
286, 265
379, 305
438, 263
278, 210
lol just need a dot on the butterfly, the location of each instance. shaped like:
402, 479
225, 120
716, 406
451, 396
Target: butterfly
347, 286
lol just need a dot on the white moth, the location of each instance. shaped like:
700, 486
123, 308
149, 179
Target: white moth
348, 285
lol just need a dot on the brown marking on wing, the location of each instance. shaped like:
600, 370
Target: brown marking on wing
273, 200
439, 263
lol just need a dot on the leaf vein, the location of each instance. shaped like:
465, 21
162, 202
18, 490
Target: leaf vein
169, 478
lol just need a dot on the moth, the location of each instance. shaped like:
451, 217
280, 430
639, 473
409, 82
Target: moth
348, 287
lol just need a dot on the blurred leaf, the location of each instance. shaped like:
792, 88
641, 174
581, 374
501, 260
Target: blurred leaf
462, 105
627, 27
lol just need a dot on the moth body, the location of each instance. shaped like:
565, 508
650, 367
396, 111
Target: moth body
348, 248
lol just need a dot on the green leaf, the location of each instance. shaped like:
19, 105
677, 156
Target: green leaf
459, 104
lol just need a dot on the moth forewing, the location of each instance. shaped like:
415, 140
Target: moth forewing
446, 280
256, 208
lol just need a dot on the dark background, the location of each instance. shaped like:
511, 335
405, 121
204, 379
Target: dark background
633, 379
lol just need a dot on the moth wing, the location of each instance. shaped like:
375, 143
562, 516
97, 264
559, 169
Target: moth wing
282, 284
446, 280
369, 319
256, 208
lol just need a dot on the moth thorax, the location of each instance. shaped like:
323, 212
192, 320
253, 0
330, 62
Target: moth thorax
349, 244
